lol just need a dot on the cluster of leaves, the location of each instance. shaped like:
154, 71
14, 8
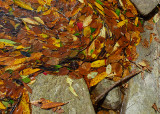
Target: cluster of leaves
92, 39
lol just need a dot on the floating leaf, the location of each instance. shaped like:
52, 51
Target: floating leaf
22, 5
87, 21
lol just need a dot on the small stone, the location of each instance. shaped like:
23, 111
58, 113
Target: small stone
113, 99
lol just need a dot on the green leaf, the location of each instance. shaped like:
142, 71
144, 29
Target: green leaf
91, 37
7, 41
92, 30
76, 34
57, 66
9, 71
99, 2
11, 101
5, 103
26, 80
91, 51
141, 21
118, 12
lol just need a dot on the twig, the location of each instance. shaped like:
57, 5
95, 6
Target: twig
98, 98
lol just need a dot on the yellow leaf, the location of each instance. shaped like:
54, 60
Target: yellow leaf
70, 81
87, 31
109, 69
98, 63
22, 5
98, 78
21, 60
136, 21
131, 6
30, 21
28, 71
87, 21
91, 48
38, 19
81, 1
103, 32
41, 2
2, 107
120, 24
39, 9
47, 12
99, 6
13, 67
101, 12
24, 103
19, 47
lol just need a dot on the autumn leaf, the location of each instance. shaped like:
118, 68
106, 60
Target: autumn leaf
24, 103
22, 5
99, 78
121, 23
70, 81
87, 21
2, 107
28, 71
98, 63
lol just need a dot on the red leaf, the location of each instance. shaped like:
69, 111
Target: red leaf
80, 26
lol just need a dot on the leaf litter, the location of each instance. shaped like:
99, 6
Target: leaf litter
80, 38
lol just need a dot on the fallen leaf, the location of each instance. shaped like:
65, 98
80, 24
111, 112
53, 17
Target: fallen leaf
70, 81
22, 5
28, 71
87, 21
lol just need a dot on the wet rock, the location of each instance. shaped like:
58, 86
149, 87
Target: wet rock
113, 99
56, 89
143, 93
145, 6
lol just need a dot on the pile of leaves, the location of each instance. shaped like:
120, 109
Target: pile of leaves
88, 39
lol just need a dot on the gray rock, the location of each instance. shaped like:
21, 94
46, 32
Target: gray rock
142, 94
113, 99
56, 89
145, 6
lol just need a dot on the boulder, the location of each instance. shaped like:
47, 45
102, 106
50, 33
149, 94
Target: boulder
113, 98
143, 93
145, 6
56, 89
